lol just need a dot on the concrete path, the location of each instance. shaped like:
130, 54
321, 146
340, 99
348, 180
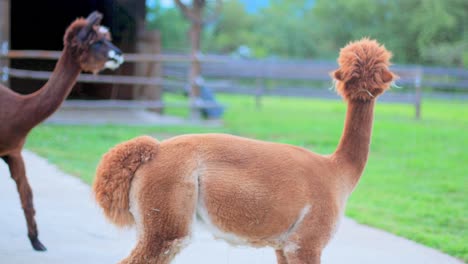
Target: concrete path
75, 232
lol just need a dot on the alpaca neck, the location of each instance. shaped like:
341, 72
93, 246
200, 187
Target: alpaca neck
353, 150
48, 99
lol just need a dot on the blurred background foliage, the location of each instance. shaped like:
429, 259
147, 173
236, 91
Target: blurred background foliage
430, 32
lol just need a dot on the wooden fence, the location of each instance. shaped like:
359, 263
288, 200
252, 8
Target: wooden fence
224, 74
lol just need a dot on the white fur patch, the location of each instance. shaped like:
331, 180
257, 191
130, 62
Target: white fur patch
215, 231
103, 30
296, 224
290, 247
283, 239
115, 60
134, 206
111, 65
178, 245
303, 213
212, 228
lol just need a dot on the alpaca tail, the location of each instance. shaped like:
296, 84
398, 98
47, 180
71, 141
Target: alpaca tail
114, 175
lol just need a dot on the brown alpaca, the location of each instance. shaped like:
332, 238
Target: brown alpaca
246, 191
87, 47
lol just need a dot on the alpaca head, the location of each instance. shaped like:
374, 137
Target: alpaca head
363, 72
90, 43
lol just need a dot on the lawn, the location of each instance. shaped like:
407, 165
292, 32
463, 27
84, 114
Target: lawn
415, 184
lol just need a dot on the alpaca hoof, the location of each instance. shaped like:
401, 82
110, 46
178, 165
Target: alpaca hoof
37, 245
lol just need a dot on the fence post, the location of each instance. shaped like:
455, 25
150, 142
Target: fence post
418, 92
149, 42
4, 40
195, 82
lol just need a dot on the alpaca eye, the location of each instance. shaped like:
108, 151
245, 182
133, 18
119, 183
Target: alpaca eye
97, 44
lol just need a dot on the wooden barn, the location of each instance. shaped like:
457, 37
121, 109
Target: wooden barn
40, 25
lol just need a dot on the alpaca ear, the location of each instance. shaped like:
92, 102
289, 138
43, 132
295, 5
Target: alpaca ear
85, 32
94, 19
387, 76
337, 75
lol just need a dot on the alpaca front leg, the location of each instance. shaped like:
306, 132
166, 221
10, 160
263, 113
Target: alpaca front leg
280, 257
163, 209
18, 173
305, 244
303, 255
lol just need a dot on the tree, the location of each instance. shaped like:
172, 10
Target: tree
172, 25
410, 28
233, 29
196, 14
429, 32
283, 28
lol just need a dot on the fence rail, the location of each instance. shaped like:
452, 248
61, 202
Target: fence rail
225, 74
91, 78
129, 57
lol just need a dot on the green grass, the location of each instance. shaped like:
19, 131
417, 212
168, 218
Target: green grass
415, 184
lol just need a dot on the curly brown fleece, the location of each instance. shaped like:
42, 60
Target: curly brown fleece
249, 191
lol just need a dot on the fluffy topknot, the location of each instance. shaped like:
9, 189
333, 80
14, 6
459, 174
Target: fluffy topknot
363, 73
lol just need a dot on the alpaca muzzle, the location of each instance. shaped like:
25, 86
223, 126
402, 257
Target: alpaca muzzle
115, 59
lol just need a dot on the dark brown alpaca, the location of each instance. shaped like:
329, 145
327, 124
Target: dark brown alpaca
246, 191
87, 47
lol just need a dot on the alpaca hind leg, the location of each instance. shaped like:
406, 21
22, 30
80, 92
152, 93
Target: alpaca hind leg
280, 257
18, 173
156, 252
163, 216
